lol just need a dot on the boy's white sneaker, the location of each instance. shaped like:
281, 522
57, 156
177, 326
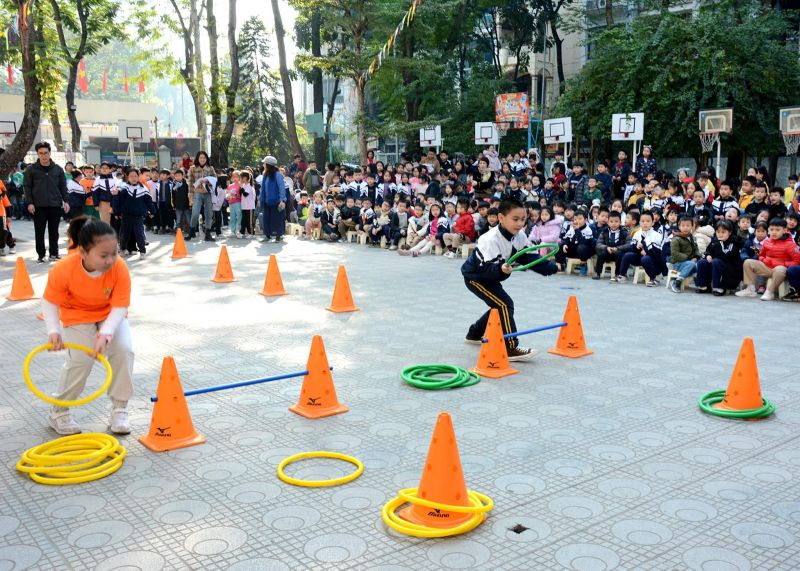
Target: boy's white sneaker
119, 423
749, 291
63, 424
450, 255
768, 296
520, 354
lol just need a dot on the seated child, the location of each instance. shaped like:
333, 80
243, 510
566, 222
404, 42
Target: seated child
645, 251
683, 252
329, 220
398, 223
611, 238
463, 230
778, 253
578, 242
417, 227
348, 217
720, 268
426, 245
382, 227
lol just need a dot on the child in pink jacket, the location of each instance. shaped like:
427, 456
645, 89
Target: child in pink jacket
546, 230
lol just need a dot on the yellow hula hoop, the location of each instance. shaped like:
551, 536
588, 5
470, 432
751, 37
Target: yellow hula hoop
73, 459
319, 483
58, 402
480, 505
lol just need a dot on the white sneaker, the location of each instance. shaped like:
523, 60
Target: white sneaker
142, 255
749, 291
450, 255
239, 235
119, 422
768, 296
63, 424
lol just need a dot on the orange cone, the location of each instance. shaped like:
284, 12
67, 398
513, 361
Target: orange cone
493, 358
21, 287
179, 249
318, 395
442, 480
342, 298
224, 272
273, 284
171, 426
570, 338
744, 388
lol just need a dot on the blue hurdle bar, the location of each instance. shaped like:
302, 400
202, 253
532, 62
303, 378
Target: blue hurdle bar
241, 384
534, 330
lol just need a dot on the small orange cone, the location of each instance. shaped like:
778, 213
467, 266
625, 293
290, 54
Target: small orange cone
318, 395
493, 358
442, 480
744, 388
21, 287
224, 272
570, 338
171, 426
342, 298
273, 284
179, 249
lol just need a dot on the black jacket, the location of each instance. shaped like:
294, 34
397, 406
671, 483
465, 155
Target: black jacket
180, 195
45, 186
607, 239
728, 253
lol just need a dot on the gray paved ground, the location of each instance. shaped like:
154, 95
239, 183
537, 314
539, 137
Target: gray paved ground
605, 460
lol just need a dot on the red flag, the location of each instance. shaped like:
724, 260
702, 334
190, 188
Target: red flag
141, 86
10, 74
125, 80
104, 80
83, 83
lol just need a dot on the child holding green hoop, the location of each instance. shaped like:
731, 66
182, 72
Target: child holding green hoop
89, 294
486, 269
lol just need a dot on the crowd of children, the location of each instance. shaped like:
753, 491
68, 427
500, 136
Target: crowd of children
728, 236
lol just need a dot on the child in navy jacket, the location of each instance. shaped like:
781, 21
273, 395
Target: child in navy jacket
578, 241
135, 203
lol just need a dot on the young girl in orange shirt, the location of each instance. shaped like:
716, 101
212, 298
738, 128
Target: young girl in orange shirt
89, 293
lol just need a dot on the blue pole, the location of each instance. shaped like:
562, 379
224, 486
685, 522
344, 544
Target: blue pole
530, 117
241, 384
527, 331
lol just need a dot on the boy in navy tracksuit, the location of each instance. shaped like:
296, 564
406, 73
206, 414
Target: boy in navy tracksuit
578, 241
486, 269
164, 202
135, 203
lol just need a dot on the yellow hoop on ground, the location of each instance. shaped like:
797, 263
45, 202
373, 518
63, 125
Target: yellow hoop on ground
320, 483
73, 459
481, 504
58, 402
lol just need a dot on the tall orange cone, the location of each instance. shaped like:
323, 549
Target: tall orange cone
342, 298
744, 388
318, 395
493, 358
179, 249
171, 426
21, 287
273, 284
224, 273
570, 338
442, 480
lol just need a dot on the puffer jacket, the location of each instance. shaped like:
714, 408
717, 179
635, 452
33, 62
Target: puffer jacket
781, 252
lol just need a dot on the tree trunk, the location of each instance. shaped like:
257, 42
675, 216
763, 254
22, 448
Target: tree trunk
16, 151
412, 103
55, 122
75, 128
232, 88
288, 97
734, 166
329, 115
73, 61
360, 119
188, 71
199, 91
609, 14
319, 96
214, 106
558, 41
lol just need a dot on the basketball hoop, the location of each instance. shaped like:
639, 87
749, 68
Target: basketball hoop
708, 140
502, 128
792, 142
626, 134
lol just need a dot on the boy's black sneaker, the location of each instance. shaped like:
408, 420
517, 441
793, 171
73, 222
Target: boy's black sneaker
208, 237
54, 258
520, 354
40, 261
473, 340
718, 292
703, 290
793, 295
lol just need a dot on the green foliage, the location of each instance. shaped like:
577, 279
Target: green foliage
261, 108
670, 67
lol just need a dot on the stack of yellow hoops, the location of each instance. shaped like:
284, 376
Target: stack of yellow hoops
77, 458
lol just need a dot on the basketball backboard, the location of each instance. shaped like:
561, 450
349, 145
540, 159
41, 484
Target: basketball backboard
790, 120
486, 134
627, 126
10, 123
716, 120
558, 131
136, 130
430, 136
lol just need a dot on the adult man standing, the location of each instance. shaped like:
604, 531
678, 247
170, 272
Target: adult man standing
312, 180
45, 186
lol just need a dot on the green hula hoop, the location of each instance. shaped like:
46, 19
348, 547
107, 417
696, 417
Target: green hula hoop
707, 401
533, 248
425, 377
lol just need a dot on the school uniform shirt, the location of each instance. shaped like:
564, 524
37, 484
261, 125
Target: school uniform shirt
650, 240
492, 251
88, 185
386, 191
135, 200
580, 236
720, 205
403, 189
103, 185
75, 188
82, 298
366, 217
248, 197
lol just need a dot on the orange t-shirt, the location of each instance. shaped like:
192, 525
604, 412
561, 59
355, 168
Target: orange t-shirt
87, 184
4, 201
83, 299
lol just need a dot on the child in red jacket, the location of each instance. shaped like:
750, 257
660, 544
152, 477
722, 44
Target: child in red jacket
778, 252
463, 229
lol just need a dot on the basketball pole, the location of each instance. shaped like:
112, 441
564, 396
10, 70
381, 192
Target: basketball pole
131, 153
